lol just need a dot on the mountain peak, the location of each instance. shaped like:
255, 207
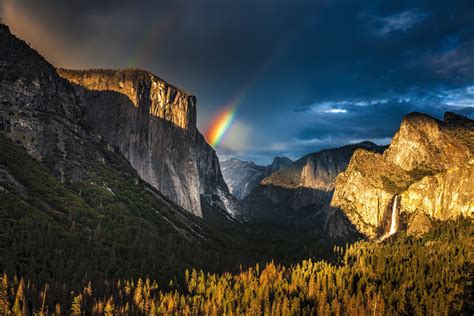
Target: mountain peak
242, 176
279, 159
277, 164
366, 144
425, 141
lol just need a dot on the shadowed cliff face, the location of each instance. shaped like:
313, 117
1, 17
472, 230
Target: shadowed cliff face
154, 125
241, 176
429, 164
39, 110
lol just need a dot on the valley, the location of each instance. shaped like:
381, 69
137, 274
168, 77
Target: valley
112, 202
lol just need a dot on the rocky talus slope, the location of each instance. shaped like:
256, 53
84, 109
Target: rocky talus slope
429, 165
153, 124
301, 192
242, 176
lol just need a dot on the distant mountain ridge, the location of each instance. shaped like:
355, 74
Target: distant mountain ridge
301, 192
242, 176
317, 170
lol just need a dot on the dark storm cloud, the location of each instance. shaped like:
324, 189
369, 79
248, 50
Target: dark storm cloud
314, 74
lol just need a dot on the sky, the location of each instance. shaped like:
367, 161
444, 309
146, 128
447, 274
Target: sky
301, 76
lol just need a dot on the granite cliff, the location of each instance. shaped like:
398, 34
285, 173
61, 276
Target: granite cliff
153, 124
426, 171
42, 115
242, 176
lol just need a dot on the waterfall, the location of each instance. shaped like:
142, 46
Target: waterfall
393, 222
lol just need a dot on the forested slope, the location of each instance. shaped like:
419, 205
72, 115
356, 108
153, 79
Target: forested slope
109, 225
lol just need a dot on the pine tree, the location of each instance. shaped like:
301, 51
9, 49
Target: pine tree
138, 295
57, 309
336, 307
76, 307
19, 306
4, 304
109, 307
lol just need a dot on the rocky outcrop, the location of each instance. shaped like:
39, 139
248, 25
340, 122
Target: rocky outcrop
419, 224
154, 125
301, 193
242, 176
428, 165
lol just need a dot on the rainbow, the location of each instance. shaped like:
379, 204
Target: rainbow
220, 124
224, 118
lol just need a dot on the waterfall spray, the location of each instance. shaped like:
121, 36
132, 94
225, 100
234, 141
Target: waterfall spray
394, 220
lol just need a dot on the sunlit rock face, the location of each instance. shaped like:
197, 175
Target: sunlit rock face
428, 163
423, 142
444, 195
363, 193
144, 90
154, 125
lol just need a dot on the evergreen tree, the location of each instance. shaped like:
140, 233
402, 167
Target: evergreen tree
4, 304
76, 307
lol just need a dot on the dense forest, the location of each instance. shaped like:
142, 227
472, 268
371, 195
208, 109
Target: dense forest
112, 225
431, 275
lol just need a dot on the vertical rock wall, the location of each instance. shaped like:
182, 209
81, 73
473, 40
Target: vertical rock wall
154, 126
